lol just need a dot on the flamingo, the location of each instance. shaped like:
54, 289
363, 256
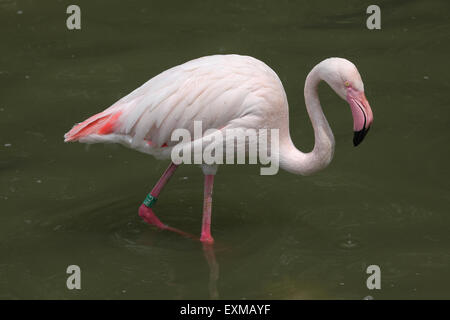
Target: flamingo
224, 91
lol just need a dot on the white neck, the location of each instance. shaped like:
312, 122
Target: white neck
292, 159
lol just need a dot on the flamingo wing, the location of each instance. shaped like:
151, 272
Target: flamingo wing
219, 90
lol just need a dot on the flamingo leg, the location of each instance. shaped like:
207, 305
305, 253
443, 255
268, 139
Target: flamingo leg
207, 203
145, 210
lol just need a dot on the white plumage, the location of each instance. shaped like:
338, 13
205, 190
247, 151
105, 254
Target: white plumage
222, 91
227, 91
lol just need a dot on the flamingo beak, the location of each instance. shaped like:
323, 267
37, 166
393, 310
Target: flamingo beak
362, 114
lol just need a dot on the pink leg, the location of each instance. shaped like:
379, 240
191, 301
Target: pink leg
207, 203
145, 211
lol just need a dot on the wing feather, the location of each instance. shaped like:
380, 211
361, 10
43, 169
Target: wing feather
218, 90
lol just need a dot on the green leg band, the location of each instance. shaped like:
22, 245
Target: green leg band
149, 201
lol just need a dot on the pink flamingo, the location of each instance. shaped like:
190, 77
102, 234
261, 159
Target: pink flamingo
224, 91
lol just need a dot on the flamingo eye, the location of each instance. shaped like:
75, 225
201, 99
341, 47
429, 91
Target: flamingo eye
347, 84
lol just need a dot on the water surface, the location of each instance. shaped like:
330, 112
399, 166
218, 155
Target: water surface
277, 237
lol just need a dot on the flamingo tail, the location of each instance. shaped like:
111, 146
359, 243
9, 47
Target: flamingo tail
100, 124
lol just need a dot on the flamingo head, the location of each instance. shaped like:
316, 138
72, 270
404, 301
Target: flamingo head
344, 78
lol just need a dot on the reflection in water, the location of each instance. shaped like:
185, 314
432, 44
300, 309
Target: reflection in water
208, 250
148, 244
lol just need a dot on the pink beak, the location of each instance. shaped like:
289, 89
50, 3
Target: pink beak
362, 114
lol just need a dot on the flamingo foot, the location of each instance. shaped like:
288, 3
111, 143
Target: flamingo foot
207, 238
149, 216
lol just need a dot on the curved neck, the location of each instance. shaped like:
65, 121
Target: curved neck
292, 159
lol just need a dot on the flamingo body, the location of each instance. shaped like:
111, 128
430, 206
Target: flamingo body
229, 91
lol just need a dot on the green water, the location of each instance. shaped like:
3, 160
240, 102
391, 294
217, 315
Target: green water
282, 237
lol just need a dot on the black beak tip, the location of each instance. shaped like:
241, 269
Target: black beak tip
358, 136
